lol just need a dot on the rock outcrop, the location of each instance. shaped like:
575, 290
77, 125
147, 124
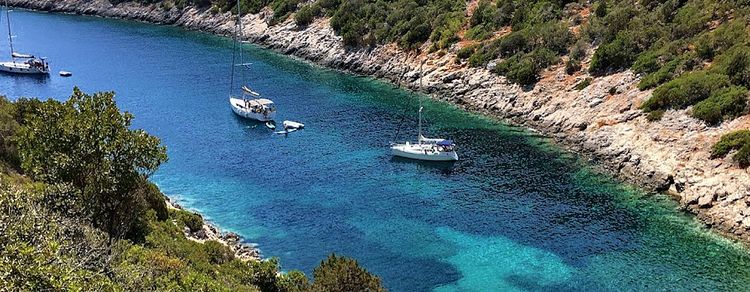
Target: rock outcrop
671, 155
243, 251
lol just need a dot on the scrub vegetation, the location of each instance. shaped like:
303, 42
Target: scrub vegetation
77, 212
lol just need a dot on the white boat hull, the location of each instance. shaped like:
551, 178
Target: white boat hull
426, 152
242, 111
22, 68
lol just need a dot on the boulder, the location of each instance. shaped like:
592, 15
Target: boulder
706, 200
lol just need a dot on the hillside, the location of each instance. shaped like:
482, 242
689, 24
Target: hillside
77, 212
647, 89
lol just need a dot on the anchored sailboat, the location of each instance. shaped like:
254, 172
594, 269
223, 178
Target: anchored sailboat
21, 63
249, 104
429, 149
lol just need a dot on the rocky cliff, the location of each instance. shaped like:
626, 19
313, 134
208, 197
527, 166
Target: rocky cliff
601, 122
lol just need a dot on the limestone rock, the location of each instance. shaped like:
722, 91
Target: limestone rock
706, 200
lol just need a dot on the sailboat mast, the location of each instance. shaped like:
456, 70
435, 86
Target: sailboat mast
239, 42
419, 138
10, 35
234, 53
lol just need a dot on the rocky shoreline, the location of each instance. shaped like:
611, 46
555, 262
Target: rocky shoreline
241, 250
601, 122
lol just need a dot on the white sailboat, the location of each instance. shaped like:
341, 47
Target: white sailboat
21, 63
429, 149
249, 104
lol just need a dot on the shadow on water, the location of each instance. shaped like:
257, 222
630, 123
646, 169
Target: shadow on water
445, 168
250, 125
33, 79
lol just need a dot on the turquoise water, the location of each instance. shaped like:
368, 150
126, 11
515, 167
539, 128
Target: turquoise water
515, 213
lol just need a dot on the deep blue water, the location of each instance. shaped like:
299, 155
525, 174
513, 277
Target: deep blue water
515, 213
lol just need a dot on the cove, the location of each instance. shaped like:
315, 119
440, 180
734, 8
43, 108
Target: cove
516, 213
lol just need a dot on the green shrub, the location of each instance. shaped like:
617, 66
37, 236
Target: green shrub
466, 52
685, 91
217, 252
343, 274
524, 69
307, 14
738, 140
663, 74
521, 71
282, 9
486, 14
583, 84
655, 115
735, 63
514, 43
723, 105
193, 221
616, 55
478, 32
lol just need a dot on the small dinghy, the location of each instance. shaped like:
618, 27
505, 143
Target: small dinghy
271, 125
285, 131
289, 125
66, 73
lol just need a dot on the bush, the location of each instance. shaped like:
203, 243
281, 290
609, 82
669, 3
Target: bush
282, 9
193, 221
663, 74
343, 274
655, 115
307, 14
735, 63
583, 84
685, 91
478, 32
524, 69
217, 253
738, 140
723, 105
616, 55
466, 52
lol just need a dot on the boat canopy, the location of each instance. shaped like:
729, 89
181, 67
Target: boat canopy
260, 102
249, 91
22, 56
430, 140
445, 143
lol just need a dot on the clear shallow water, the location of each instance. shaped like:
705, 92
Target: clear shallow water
514, 214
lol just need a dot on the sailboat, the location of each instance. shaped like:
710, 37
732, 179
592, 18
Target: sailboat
249, 104
429, 149
22, 63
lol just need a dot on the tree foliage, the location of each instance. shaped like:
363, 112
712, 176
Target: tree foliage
341, 274
87, 142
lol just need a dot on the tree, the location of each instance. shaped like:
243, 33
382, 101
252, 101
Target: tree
342, 274
87, 142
